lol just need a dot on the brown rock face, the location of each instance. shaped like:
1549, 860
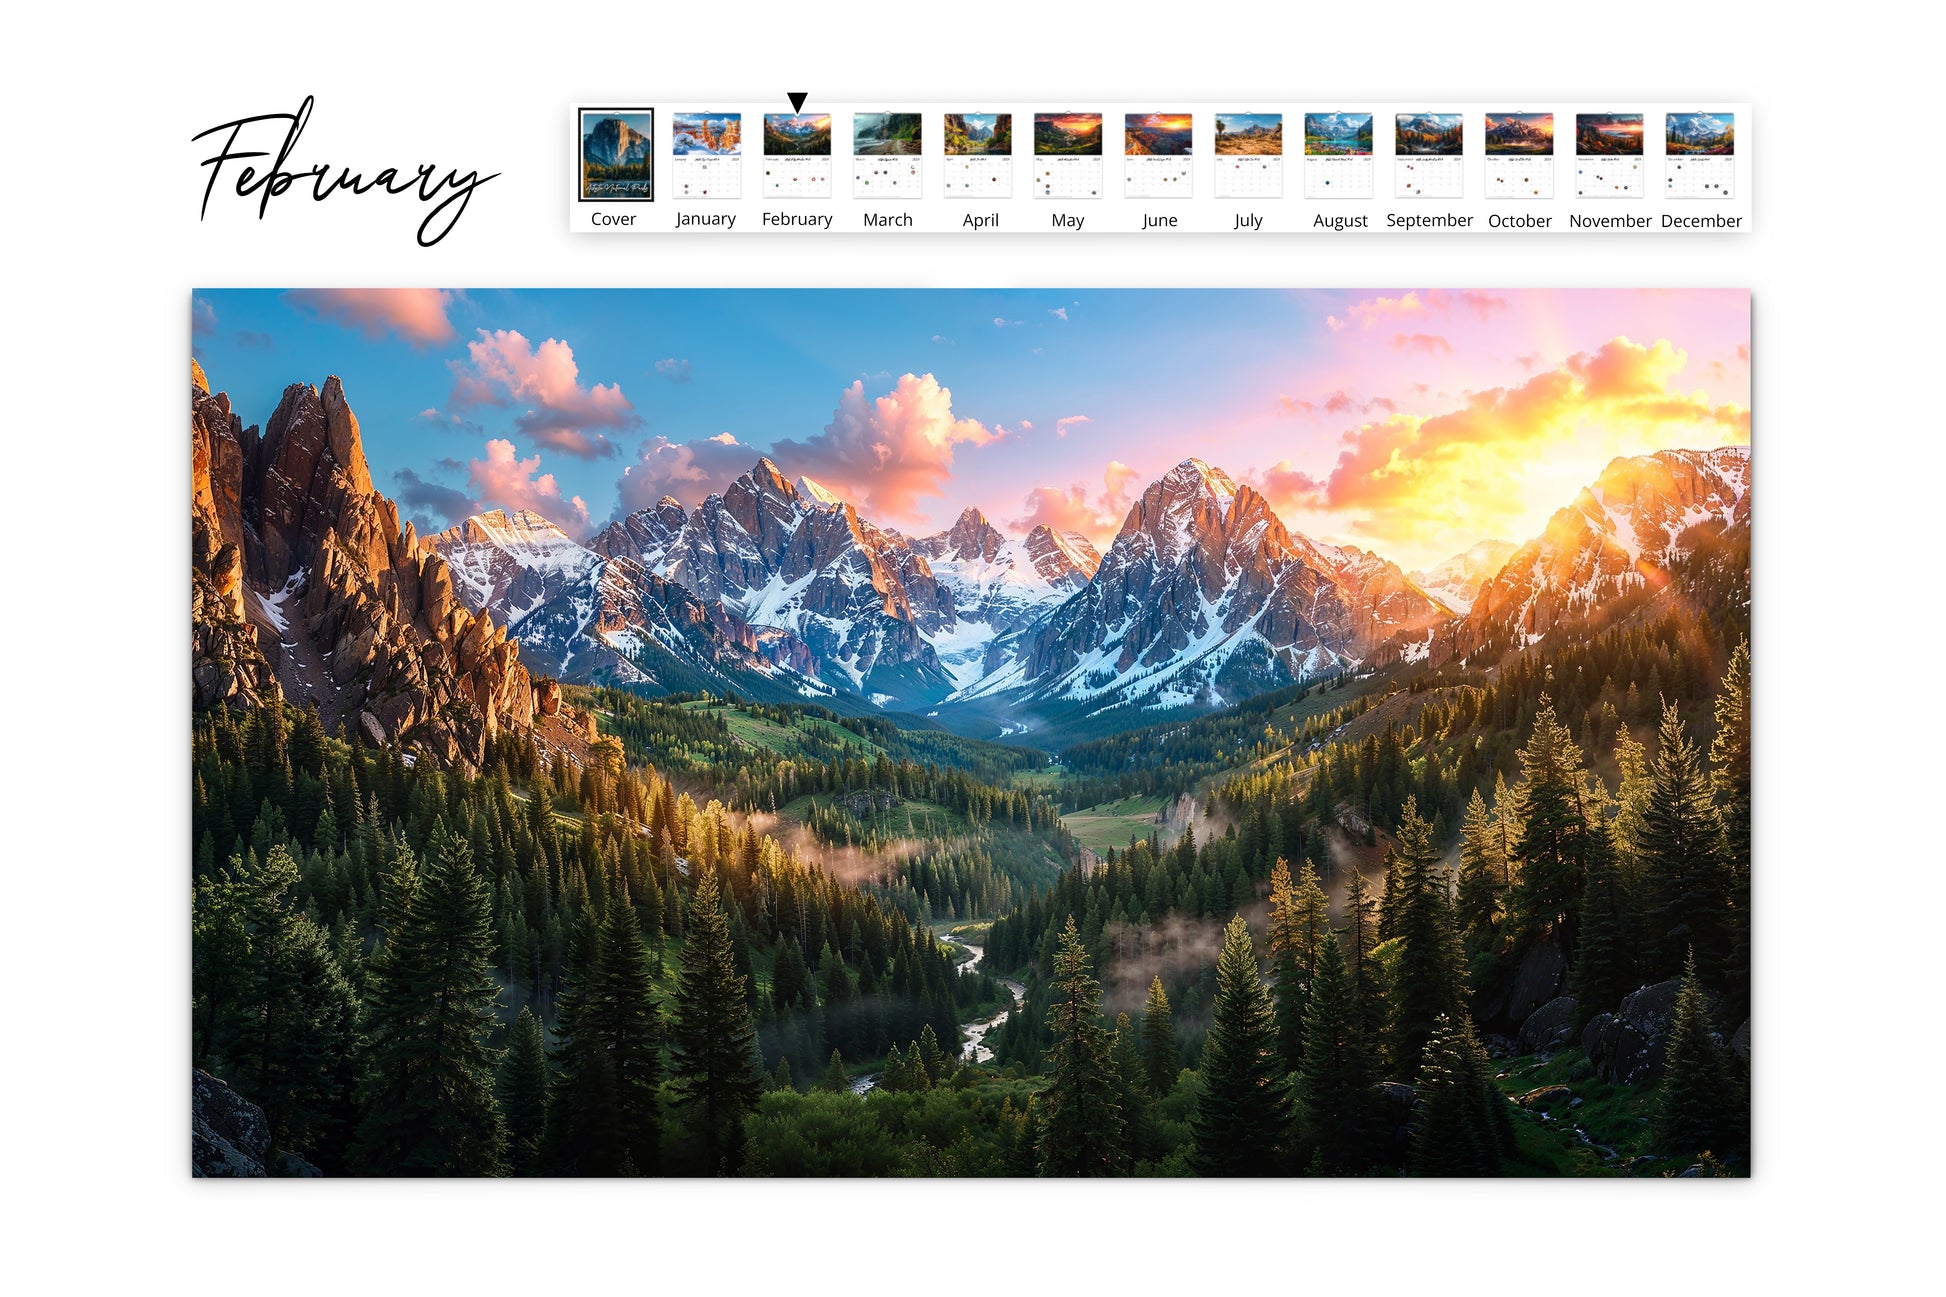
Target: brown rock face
227, 663
348, 610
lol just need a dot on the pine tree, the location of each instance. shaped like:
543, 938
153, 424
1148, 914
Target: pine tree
713, 1041
1553, 842
1361, 935
1480, 872
1391, 901
1161, 1062
1696, 1107
623, 1020
429, 1106
1461, 1126
522, 1088
893, 1077
1138, 1104
1081, 1116
1334, 1087
835, 1078
1730, 780
285, 1022
1730, 756
1288, 977
1682, 856
1242, 1123
1605, 965
930, 1056
1431, 973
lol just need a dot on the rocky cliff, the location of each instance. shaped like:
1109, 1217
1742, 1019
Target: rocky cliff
307, 587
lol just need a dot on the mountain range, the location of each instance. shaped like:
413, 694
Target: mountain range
774, 588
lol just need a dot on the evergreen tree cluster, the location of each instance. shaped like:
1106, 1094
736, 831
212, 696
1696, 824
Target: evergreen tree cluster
369, 932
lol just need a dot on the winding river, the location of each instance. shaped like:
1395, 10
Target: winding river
976, 1049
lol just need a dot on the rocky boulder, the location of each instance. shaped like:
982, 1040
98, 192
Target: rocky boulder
1542, 977
1393, 1102
1628, 1046
1549, 1027
228, 1134
1546, 1096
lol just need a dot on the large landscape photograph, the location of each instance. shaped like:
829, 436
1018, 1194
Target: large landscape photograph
971, 733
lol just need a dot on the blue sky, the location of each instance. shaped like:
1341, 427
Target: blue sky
1034, 405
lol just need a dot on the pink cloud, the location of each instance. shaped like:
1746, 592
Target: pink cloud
507, 370
1289, 487
688, 470
1430, 343
1415, 305
418, 315
1062, 425
1071, 509
506, 480
1062, 510
1338, 402
886, 452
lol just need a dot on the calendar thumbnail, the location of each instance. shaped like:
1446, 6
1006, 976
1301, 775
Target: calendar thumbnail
873, 134
617, 155
1067, 155
979, 155
1520, 155
1249, 155
1608, 155
1430, 149
706, 155
1701, 149
1156, 152
1338, 155
797, 155
885, 155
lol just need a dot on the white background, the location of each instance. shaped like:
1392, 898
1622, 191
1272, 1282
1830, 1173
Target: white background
104, 249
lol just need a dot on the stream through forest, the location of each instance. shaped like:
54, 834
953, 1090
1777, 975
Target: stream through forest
976, 1049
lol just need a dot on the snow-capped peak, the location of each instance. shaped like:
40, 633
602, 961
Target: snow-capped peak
1193, 473
817, 492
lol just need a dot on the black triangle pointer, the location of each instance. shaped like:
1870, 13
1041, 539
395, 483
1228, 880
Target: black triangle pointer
797, 98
